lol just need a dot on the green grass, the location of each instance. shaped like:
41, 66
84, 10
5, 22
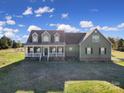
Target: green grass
22, 91
118, 57
55, 92
91, 87
9, 56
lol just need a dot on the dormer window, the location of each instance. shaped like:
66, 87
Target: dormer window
46, 37
56, 37
34, 37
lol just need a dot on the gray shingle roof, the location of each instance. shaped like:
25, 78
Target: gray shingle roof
67, 38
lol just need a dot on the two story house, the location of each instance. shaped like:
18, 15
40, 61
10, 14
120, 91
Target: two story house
60, 45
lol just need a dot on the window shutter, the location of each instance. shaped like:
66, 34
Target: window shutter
85, 50
99, 51
91, 50
105, 50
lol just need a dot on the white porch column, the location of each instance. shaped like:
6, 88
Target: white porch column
56, 51
64, 51
25, 51
33, 51
48, 54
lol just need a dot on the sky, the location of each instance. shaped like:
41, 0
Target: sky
19, 17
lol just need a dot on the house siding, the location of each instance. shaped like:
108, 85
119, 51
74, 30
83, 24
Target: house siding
95, 56
74, 53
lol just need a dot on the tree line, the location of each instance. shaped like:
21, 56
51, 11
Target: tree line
117, 44
6, 43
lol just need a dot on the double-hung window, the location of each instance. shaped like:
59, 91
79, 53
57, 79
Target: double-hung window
88, 50
102, 51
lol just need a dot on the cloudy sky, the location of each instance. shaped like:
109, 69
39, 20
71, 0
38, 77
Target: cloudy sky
19, 17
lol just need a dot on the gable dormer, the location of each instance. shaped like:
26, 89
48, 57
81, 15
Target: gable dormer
46, 37
56, 37
34, 37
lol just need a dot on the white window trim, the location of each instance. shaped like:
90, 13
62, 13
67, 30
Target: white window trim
33, 37
45, 33
56, 35
60, 49
70, 48
89, 50
102, 51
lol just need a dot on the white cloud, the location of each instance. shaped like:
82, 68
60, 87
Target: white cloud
11, 22
1, 28
18, 16
105, 28
90, 26
21, 38
8, 17
94, 10
28, 11
9, 32
121, 25
86, 24
21, 25
2, 23
65, 27
64, 15
33, 27
50, 16
47, 0
42, 10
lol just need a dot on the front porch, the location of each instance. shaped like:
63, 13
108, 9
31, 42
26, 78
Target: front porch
45, 51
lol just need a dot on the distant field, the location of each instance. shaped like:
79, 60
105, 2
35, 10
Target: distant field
9, 56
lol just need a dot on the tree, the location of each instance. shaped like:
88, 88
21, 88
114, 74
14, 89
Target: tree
120, 43
5, 42
113, 41
14, 44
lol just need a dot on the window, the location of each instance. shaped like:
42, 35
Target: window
70, 48
95, 38
56, 38
31, 49
46, 38
34, 37
102, 51
60, 50
53, 50
38, 49
88, 50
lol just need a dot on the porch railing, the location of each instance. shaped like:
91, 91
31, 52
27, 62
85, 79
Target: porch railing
40, 55
33, 55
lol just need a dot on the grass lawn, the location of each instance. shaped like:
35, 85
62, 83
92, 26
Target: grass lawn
9, 56
91, 87
118, 57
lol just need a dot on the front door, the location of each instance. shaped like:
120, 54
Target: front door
45, 51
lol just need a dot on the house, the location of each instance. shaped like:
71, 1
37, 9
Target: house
60, 45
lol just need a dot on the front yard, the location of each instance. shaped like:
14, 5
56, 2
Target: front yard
41, 77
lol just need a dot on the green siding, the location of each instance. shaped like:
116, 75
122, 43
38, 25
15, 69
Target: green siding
95, 46
74, 52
